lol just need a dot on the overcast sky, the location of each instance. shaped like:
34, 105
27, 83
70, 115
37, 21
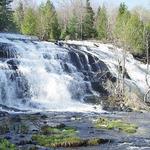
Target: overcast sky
130, 3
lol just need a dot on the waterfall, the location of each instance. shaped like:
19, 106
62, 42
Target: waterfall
37, 75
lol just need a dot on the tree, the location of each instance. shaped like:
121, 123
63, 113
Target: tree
73, 28
19, 15
64, 32
102, 23
121, 21
147, 47
134, 30
29, 25
88, 22
6, 17
50, 28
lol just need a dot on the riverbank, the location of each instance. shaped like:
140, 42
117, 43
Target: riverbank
19, 130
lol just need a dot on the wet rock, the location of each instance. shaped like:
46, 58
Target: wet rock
7, 51
16, 118
66, 68
13, 64
3, 114
8, 137
97, 86
75, 60
92, 99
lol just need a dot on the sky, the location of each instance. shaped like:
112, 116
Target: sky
130, 3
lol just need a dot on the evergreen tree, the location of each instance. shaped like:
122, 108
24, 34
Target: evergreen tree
147, 28
19, 15
102, 23
134, 31
73, 27
29, 25
65, 32
88, 22
121, 21
6, 17
49, 21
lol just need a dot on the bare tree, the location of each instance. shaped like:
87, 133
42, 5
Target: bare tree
147, 94
67, 8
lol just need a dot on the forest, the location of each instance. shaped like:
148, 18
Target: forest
77, 20
74, 74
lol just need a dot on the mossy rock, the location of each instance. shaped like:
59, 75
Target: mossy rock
116, 124
96, 141
62, 141
6, 145
63, 130
63, 136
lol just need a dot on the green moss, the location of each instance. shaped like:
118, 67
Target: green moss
62, 136
94, 141
62, 141
6, 145
116, 124
57, 141
68, 131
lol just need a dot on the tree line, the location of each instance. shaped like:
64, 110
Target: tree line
83, 22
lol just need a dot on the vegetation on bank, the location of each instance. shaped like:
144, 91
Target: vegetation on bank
128, 27
119, 125
6, 145
63, 136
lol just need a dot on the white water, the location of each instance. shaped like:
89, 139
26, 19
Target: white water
51, 89
111, 55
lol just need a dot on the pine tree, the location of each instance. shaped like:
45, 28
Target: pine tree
73, 27
65, 32
19, 15
29, 25
50, 28
147, 35
88, 22
6, 17
121, 21
102, 23
134, 31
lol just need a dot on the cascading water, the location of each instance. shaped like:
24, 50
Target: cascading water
112, 56
32, 76
37, 75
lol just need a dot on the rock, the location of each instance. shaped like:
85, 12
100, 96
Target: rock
13, 64
92, 99
16, 118
8, 137
7, 51
3, 114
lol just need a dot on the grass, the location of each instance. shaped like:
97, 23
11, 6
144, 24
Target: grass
64, 141
116, 124
63, 137
64, 131
57, 141
6, 145
60, 136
